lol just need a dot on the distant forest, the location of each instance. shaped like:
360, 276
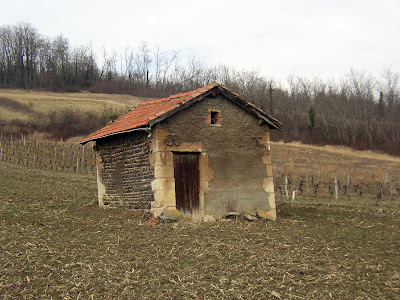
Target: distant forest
360, 111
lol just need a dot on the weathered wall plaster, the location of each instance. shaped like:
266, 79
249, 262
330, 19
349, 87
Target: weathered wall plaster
136, 169
235, 167
162, 149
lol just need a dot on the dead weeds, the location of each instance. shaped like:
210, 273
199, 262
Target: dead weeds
52, 245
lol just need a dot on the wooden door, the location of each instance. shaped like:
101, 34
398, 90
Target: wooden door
187, 181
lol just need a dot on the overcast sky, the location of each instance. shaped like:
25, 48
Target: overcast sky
308, 38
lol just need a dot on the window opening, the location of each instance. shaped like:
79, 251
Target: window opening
215, 117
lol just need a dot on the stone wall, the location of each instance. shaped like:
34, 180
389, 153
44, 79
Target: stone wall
124, 173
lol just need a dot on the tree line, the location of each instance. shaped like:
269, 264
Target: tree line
29, 60
360, 111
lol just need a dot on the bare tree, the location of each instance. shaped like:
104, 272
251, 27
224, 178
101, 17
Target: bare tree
390, 88
143, 60
109, 67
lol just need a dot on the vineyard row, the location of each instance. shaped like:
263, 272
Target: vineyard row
76, 158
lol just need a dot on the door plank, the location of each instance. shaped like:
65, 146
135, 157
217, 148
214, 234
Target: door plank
187, 181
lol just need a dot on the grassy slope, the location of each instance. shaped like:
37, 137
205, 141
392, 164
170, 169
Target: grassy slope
53, 245
42, 102
363, 166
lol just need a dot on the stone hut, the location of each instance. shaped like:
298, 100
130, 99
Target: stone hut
204, 152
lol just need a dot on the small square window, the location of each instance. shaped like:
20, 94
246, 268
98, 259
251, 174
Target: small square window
215, 118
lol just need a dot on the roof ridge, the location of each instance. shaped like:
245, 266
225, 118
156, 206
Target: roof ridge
179, 95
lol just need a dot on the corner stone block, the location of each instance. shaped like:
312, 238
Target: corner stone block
155, 184
158, 145
268, 185
157, 211
267, 215
164, 198
267, 159
164, 171
162, 158
163, 184
269, 171
271, 201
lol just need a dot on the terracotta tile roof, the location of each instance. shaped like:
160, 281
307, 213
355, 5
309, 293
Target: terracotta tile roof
145, 112
149, 112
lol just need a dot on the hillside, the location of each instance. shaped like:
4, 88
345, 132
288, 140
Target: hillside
362, 176
22, 104
299, 159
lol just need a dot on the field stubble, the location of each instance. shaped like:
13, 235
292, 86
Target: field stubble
54, 245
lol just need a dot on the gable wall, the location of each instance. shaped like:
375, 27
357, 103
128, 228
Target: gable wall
235, 163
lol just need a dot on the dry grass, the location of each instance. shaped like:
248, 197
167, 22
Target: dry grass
43, 102
363, 166
342, 150
52, 245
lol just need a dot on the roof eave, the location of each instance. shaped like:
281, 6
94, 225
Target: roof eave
271, 122
147, 129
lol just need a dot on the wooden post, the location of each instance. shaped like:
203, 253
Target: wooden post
308, 188
83, 155
336, 189
294, 195
391, 192
55, 156
386, 179
286, 187
77, 165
